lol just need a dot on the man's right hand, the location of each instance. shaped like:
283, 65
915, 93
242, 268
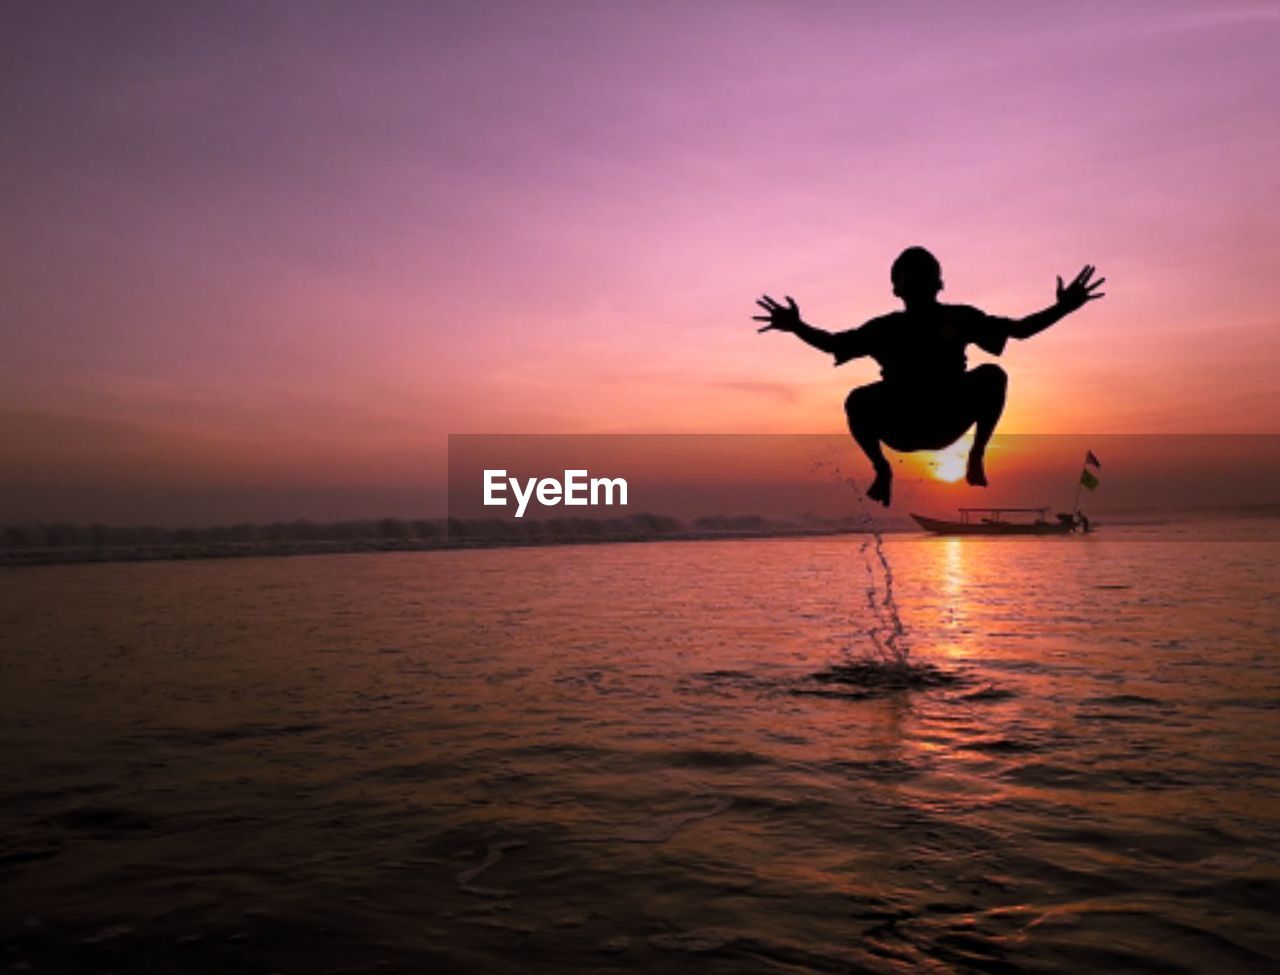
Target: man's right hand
785, 318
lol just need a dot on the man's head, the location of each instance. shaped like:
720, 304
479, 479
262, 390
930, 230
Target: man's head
916, 276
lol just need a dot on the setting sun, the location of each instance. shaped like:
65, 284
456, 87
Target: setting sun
949, 465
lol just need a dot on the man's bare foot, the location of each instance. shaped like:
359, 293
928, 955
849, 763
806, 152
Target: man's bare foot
975, 474
882, 487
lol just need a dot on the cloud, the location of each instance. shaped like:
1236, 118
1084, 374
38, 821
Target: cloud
777, 392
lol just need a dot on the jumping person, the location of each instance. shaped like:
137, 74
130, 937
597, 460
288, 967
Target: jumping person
926, 399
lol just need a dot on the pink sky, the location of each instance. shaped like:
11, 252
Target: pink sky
259, 260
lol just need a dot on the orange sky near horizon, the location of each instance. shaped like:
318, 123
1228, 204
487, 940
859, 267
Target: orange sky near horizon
260, 262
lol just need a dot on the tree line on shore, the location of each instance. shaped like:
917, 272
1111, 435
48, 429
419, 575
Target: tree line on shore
406, 532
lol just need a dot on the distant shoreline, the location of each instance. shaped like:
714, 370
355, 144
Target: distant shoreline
180, 552
63, 543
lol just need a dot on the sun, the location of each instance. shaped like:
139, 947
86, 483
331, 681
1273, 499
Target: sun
948, 466
950, 463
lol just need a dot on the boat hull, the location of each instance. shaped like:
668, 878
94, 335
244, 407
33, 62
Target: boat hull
939, 527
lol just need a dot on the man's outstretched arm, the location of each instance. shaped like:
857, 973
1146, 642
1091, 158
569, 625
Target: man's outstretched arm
786, 318
1071, 297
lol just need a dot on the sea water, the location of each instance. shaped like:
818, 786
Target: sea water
617, 757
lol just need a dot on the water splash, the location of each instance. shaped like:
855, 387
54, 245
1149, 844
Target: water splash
887, 634
885, 639
878, 656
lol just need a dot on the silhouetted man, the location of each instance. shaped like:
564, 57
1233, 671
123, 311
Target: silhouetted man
926, 399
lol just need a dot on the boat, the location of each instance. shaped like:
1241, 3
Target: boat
991, 521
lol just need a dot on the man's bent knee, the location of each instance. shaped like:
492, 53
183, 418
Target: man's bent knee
989, 376
864, 403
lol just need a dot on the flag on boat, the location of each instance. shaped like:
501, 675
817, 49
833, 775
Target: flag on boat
1091, 458
1088, 479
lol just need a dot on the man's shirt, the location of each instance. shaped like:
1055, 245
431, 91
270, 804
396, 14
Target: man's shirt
923, 346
